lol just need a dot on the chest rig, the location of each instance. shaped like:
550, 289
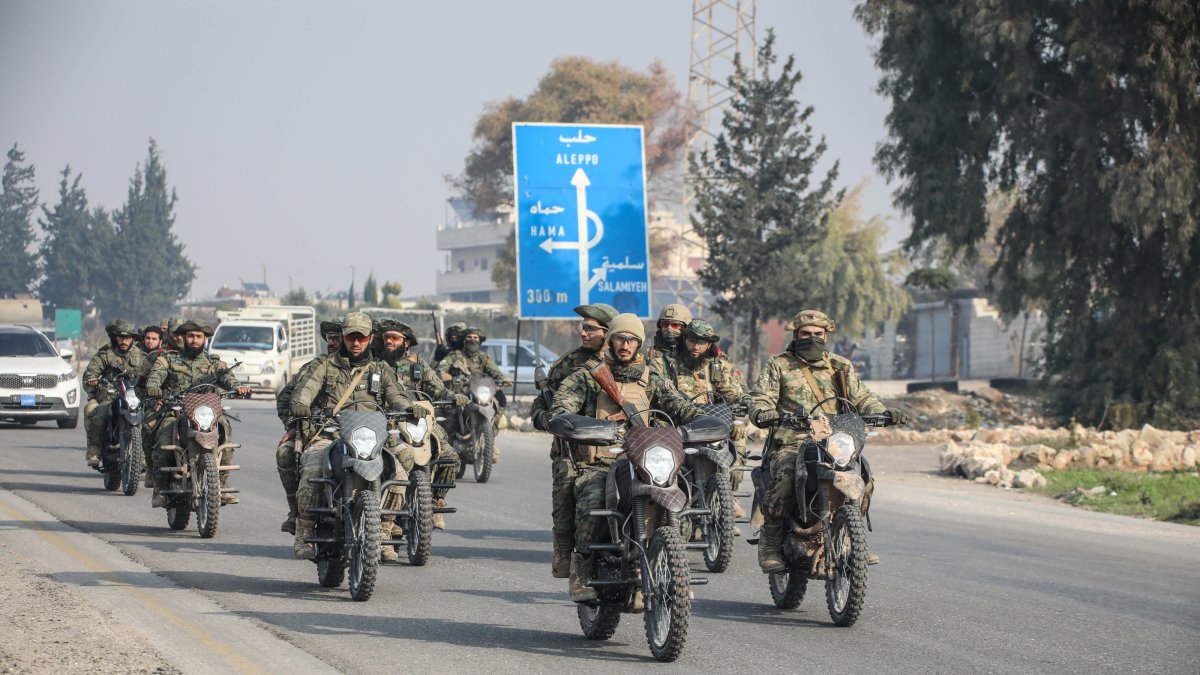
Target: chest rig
636, 393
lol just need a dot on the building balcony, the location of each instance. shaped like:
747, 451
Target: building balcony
464, 282
492, 234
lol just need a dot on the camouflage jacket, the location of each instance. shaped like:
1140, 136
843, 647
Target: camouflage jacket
325, 384
173, 371
283, 401
783, 387
662, 362
564, 366
578, 393
457, 369
109, 361
414, 372
715, 373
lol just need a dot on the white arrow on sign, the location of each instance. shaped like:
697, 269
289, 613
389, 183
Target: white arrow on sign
582, 217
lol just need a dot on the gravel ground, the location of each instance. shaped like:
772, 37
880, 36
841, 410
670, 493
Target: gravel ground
49, 629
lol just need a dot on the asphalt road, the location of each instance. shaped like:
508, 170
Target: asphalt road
973, 579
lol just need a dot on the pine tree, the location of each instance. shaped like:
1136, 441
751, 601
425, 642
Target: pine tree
370, 293
68, 250
756, 204
18, 199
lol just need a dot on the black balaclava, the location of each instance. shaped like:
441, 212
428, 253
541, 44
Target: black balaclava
810, 348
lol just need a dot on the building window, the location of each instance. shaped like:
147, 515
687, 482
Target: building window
462, 266
483, 264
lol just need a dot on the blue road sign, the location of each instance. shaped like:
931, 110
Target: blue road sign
581, 219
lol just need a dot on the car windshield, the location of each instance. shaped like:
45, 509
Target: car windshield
25, 344
243, 337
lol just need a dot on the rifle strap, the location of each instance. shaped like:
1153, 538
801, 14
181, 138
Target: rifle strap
816, 389
345, 397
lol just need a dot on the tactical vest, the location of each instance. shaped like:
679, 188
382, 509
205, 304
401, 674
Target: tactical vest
637, 394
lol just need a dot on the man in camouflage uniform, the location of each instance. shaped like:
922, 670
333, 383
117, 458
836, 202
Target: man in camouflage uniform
699, 368
285, 453
152, 341
580, 394
671, 321
174, 341
396, 340
322, 388
176, 371
460, 366
794, 382
596, 319
152, 345
118, 356
454, 342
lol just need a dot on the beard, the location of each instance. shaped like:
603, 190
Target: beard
192, 352
692, 362
394, 355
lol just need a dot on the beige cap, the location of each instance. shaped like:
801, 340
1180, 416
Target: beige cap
627, 323
356, 322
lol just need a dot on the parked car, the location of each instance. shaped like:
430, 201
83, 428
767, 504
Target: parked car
504, 352
35, 383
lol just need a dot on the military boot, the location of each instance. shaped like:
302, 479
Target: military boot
439, 523
738, 511
289, 524
227, 497
93, 457
158, 500
769, 558
302, 549
756, 517
580, 591
495, 455
560, 565
387, 552
149, 478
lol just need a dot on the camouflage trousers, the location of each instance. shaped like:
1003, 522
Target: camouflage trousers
780, 499
444, 473
589, 494
735, 477
562, 498
95, 423
166, 457
312, 465
285, 464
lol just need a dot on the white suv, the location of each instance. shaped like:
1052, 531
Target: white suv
35, 383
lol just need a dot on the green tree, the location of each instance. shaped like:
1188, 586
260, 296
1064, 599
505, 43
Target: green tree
350, 295
1089, 113
370, 293
756, 202
69, 264
18, 199
297, 297
576, 89
147, 272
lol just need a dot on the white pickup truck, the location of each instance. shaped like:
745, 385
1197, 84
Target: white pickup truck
272, 343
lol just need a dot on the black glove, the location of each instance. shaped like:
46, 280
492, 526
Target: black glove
764, 418
154, 392
898, 416
301, 410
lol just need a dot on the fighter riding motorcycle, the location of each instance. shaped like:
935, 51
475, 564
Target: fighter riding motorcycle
121, 459
706, 479
200, 442
347, 515
414, 514
470, 427
640, 563
826, 538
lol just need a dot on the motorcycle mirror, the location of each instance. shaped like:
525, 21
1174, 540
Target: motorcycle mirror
226, 408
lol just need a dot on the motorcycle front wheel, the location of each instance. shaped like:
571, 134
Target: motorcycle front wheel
787, 588
846, 558
485, 441
720, 524
208, 503
362, 529
419, 533
669, 603
131, 459
597, 621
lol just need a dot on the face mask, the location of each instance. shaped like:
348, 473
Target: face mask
669, 336
471, 348
809, 348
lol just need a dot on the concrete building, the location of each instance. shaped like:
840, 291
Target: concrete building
473, 246
966, 338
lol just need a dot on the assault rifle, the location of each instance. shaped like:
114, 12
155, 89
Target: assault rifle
604, 377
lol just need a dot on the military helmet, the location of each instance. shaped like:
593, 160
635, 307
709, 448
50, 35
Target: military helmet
193, 324
602, 313
409, 334
476, 330
154, 328
331, 326
627, 323
120, 327
455, 330
675, 312
811, 317
699, 329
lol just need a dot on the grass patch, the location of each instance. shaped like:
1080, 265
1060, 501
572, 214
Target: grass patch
1173, 496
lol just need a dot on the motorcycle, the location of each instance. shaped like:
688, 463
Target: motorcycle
826, 540
640, 563
195, 483
415, 516
121, 459
470, 427
347, 515
706, 479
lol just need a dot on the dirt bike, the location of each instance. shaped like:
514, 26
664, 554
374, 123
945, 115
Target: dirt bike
121, 459
200, 440
826, 539
706, 480
470, 427
640, 558
415, 516
347, 531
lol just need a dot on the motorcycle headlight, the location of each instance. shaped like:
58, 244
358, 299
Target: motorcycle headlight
416, 432
483, 395
204, 417
659, 463
363, 442
268, 368
841, 448
132, 400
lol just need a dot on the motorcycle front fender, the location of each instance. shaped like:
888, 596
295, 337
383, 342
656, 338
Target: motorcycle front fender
721, 457
205, 439
367, 469
487, 411
850, 484
134, 417
670, 498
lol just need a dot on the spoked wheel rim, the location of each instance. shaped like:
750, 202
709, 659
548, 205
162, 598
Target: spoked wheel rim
839, 546
658, 604
412, 533
713, 532
354, 528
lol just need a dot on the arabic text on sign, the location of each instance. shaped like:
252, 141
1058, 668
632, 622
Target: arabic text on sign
573, 159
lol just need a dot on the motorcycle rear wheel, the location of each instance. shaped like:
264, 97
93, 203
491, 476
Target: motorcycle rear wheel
131, 460
362, 529
485, 441
846, 555
720, 524
112, 475
669, 605
787, 588
419, 533
597, 621
331, 573
178, 513
208, 502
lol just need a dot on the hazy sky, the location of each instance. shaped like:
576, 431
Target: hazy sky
312, 136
